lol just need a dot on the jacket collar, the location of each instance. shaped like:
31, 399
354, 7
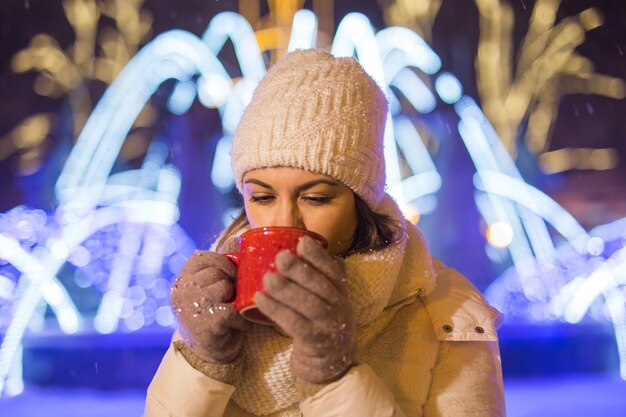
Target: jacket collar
394, 276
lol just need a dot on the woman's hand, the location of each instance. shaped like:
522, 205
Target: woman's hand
309, 301
202, 300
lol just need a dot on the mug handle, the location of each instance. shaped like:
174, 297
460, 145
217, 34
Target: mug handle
233, 257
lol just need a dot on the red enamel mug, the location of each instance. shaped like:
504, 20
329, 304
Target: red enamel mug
257, 251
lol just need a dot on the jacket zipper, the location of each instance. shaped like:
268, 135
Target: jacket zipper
412, 295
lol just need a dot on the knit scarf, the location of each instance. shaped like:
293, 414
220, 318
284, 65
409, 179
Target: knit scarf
379, 283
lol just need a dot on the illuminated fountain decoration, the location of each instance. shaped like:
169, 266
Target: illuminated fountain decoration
119, 232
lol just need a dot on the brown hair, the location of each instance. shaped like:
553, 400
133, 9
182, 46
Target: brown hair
374, 231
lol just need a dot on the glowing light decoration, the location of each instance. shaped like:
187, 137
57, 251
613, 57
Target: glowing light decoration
500, 234
355, 35
304, 31
449, 88
120, 233
175, 54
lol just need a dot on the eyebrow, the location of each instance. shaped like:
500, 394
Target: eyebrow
300, 188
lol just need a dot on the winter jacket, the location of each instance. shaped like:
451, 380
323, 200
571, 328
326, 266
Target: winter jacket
436, 355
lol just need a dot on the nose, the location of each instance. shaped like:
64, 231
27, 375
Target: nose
288, 215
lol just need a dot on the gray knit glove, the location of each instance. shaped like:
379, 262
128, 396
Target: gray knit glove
309, 301
202, 300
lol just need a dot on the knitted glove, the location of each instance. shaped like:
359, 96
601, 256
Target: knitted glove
309, 301
202, 300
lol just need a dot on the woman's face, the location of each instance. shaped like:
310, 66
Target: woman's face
294, 197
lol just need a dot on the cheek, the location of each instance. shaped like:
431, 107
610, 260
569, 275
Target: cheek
337, 226
343, 226
253, 215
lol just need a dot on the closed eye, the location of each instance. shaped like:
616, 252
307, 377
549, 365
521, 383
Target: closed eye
261, 199
317, 200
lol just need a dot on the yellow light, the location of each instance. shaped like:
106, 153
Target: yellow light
268, 38
410, 212
147, 117
29, 162
52, 59
488, 52
544, 13
577, 64
40, 40
598, 159
250, 9
82, 14
324, 10
541, 121
573, 33
32, 131
418, 15
591, 19
499, 234
21, 62
45, 86
135, 145
555, 161
616, 88
602, 159
69, 78
516, 103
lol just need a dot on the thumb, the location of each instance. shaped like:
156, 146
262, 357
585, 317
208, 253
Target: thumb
326, 263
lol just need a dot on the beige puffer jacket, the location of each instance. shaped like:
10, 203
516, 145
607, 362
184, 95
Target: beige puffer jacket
437, 356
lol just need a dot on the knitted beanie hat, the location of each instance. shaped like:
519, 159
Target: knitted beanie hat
318, 113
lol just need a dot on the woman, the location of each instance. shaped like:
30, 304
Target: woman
374, 326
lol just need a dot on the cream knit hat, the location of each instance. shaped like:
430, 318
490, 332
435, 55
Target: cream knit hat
319, 113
